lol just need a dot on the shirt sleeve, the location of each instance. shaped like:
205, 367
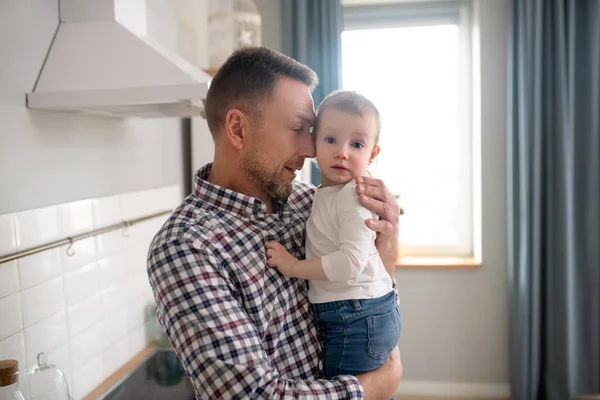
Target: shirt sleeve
355, 240
214, 337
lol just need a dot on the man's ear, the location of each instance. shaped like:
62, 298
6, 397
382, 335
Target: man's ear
237, 127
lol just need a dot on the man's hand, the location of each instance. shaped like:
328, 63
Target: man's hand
373, 194
381, 383
279, 257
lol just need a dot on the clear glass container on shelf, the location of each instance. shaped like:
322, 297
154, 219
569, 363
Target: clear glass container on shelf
232, 24
47, 382
9, 380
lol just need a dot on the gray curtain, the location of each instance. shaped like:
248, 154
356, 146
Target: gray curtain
312, 35
554, 198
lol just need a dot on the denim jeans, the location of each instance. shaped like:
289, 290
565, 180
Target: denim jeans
359, 335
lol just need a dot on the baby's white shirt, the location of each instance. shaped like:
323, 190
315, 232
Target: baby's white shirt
336, 232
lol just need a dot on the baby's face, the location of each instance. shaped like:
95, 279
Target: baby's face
346, 143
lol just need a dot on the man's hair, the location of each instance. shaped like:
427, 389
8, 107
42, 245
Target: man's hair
352, 103
247, 79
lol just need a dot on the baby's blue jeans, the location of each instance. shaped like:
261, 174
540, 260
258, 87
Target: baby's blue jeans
358, 335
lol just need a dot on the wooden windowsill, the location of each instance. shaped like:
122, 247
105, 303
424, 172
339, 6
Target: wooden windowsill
438, 263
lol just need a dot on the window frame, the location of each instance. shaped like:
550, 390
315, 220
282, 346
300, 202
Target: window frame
428, 13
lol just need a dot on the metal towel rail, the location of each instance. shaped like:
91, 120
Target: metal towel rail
81, 236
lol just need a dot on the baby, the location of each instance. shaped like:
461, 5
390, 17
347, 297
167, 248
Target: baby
349, 287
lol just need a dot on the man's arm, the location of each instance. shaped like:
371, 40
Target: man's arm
373, 194
382, 383
214, 337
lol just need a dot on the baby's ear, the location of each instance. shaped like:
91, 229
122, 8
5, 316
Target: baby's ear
374, 153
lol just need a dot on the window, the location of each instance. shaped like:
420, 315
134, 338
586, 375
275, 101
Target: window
413, 61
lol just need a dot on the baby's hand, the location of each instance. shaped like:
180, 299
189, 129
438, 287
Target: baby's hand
279, 257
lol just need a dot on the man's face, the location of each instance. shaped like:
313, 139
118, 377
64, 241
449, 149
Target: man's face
278, 147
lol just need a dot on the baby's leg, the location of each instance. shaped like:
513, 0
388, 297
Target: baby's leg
359, 335
372, 332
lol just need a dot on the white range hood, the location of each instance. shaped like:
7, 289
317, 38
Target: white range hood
119, 58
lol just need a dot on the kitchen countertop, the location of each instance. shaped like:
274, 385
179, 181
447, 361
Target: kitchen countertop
152, 374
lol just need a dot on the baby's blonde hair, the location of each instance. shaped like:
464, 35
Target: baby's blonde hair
350, 102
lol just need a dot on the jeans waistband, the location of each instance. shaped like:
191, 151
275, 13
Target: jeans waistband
358, 304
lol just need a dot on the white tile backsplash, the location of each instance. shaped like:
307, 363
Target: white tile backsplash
43, 301
138, 257
8, 239
39, 268
112, 269
82, 253
9, 278
111, 299
46, 336
138, 313
144, 231
146, 202
13, 348
113, 328
76, 217
111, 243
136, 205
107, 211
138, 339
116, 355
85, 346
12, 317
80, 283
164, 200
88, 377
83, 315
37, 227
87, 312
173, 196
139, 284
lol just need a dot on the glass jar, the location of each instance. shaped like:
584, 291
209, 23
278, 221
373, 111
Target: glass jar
232, 24
47, 382
156, 331
9, 380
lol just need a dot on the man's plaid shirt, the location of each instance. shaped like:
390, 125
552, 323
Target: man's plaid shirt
241, 329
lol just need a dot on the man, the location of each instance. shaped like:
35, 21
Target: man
241, 329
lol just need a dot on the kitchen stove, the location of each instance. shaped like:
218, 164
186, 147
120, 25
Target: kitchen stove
159, 377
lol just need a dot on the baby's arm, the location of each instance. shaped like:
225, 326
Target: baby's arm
290, 266
355, 239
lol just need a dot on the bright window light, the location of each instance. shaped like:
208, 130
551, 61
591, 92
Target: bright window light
413, 75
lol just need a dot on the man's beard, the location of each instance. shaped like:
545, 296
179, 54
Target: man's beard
269, 179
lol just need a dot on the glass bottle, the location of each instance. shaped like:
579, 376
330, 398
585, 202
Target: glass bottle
9, 380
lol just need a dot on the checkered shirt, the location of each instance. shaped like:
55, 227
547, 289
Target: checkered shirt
241, 329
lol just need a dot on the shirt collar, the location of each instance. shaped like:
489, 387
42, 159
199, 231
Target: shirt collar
226, 199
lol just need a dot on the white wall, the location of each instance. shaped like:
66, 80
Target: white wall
53, 158
456, 322
203, 147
